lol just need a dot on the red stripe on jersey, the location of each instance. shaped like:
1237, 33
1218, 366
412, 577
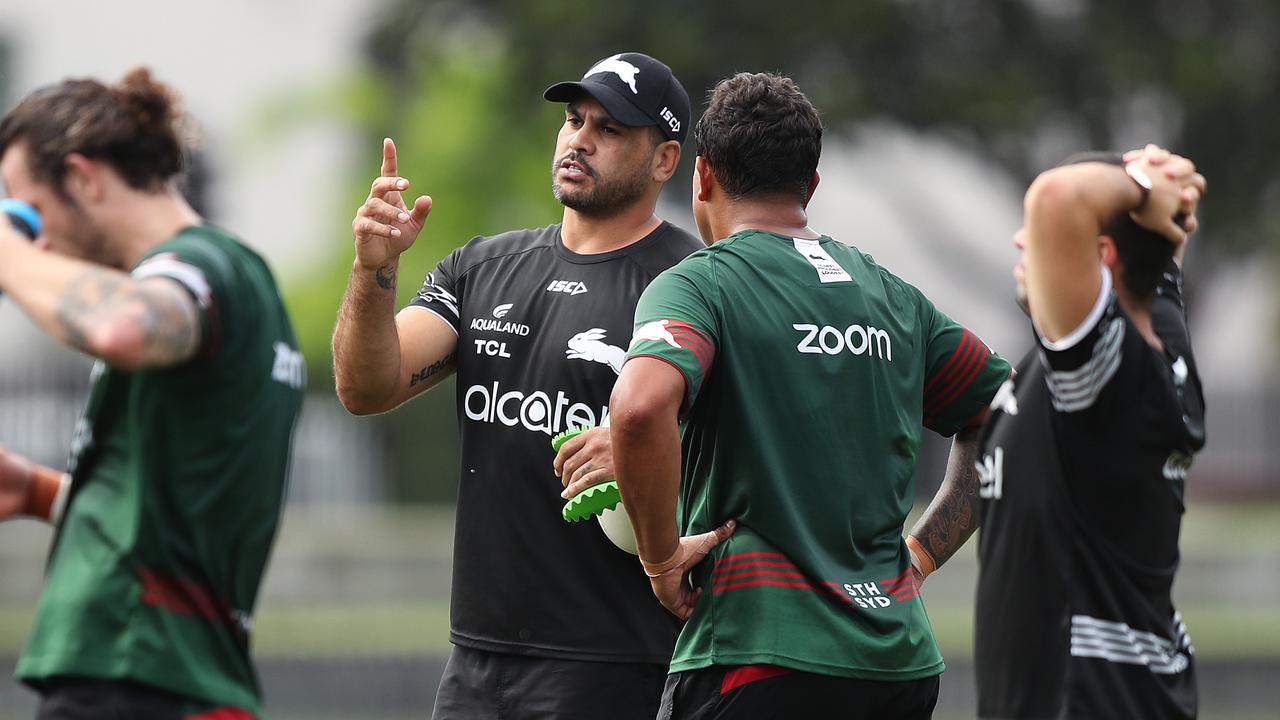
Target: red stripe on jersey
963, 381
907, 595
760, 554
894, 584
948, 368
763, 581
974, 354
181, 596
903, 593
751, 573
740, 676
693, 334
838, 590
695, 341
223, 713
743, 564
960, 360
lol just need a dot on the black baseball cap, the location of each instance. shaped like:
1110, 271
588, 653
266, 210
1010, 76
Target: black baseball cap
636, 90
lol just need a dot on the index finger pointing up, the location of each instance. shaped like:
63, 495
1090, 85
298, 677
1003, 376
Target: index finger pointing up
388, 157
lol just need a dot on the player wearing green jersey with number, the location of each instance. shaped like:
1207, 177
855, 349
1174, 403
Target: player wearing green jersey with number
173, 491
804, 372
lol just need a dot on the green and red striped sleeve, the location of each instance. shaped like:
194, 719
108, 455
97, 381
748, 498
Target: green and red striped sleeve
675, 323
962, 374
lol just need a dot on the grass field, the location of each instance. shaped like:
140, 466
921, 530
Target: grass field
416, 628
377, 583
373, 587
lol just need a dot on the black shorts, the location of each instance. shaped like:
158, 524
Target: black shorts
765, 692
75, 698
481, 685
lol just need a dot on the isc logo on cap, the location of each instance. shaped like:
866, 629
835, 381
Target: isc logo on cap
671, 119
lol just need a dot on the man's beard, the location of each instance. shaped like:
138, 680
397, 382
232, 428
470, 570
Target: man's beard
606, 197
89, 242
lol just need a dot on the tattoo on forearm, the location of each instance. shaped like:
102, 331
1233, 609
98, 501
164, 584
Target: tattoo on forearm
430, 370
954, 523
954, 514
95, 297
386, 277
84, 296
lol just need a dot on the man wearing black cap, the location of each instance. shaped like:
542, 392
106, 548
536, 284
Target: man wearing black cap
548, 618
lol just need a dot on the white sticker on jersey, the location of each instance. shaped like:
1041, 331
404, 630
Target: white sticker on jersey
829, 270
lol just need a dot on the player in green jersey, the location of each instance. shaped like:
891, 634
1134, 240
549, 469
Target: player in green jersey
804, 373
167, 511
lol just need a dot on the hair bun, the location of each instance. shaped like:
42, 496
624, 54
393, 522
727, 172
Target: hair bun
150, 103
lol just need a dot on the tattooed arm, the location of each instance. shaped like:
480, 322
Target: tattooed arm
381, 359
954, 513
128, 323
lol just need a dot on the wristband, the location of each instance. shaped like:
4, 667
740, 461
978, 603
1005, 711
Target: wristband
47, 498
658, 569
920, 557
1140, 177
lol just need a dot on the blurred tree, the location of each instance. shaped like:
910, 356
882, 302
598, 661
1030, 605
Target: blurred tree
1025, 81
480, 147
458, 84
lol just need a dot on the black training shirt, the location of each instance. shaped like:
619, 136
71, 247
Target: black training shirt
542, 333
1082, 477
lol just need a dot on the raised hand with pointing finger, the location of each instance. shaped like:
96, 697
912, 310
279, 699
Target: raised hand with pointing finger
384, 225
533, 321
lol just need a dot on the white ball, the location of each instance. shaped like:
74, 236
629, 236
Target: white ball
617, 527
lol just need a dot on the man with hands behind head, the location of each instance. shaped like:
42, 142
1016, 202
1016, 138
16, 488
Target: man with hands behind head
548, 619
1086, 452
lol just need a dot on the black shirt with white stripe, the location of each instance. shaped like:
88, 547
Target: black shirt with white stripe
1084, 462
542, 333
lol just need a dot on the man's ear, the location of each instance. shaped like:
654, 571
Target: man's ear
666, 158
84, 179
1107, 252
813, 187
704, 179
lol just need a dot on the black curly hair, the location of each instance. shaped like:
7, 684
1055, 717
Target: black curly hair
761, 136
1144, 254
